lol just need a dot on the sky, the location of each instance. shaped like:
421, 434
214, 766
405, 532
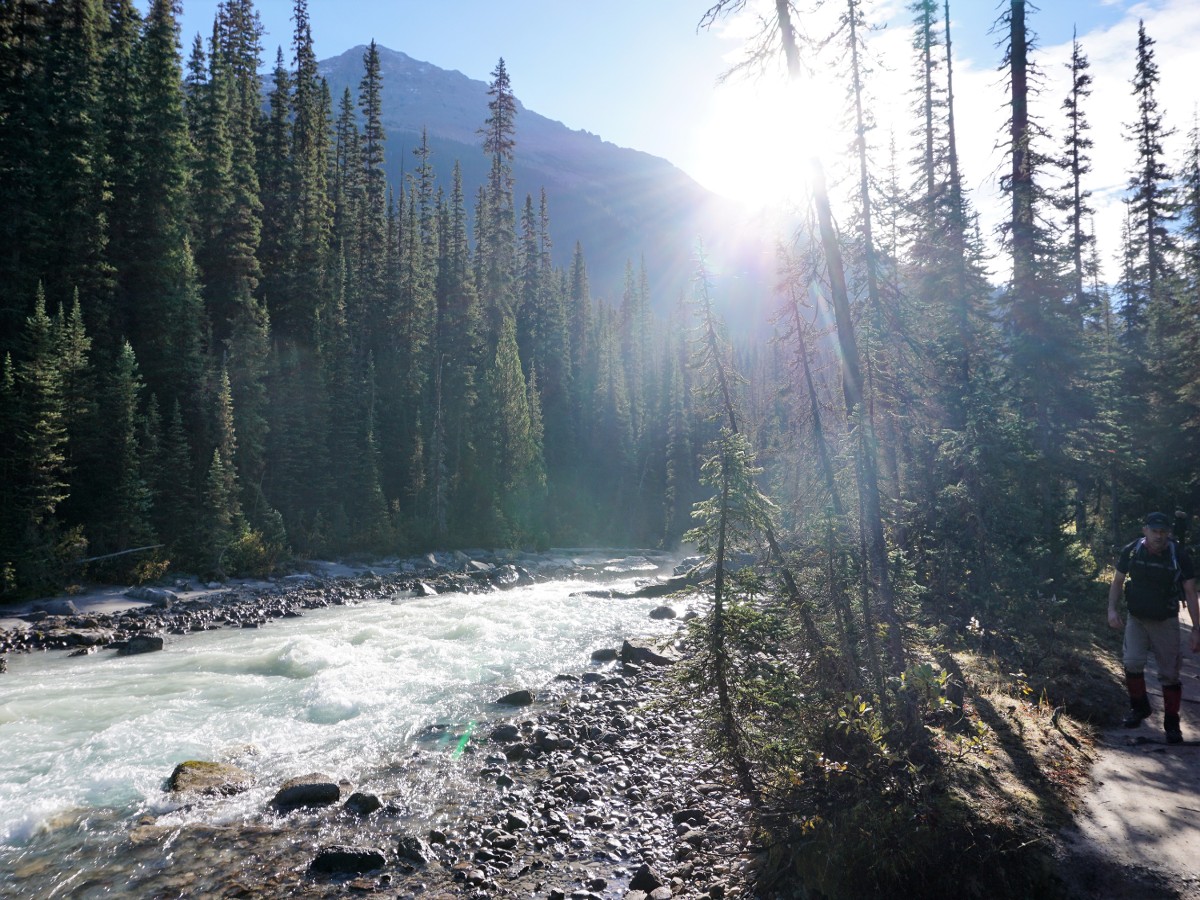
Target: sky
642, 74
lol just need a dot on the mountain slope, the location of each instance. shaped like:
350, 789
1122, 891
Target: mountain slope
621, 204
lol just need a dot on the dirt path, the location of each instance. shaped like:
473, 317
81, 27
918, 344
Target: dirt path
1138, 830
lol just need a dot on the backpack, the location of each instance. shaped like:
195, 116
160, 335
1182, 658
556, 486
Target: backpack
1152, 596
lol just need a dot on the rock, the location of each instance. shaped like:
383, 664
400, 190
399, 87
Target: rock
636, 895
508, 575
424, 589
211, 779
363, 804
159, 597
56, 607
141, 643
605, 654
637, 652
690, 816
660, 893
645, 879
662, 612
3, 664
339, 859
515, 821
413, 850
516, 698
313, 789
506, 733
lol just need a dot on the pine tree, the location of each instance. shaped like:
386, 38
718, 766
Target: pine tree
124, 519
457, 356
310, 213
1151, 204
374, 184
275, 178
496, 244
76, 230
159, 305
1078, 165
37, 436
24, 44
515, 454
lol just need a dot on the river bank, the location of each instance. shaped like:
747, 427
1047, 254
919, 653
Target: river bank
106, 616
597, 789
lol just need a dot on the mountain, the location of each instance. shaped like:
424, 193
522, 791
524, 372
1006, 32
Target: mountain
620, 204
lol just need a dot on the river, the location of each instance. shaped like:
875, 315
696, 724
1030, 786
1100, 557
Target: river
383, 694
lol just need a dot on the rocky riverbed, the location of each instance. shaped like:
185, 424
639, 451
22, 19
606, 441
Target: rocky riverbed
598, 788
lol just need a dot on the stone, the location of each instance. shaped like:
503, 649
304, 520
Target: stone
638, 652
342, 860
662, 612
314, 789
141, 643
363, 804
414, 851
660, 893
515, 821
690, 816
645, 879
3, 664
605, 654
516, 698
506, 733
211, 779
56, 607
159, 597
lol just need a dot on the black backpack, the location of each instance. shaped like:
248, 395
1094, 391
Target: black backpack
1153, 597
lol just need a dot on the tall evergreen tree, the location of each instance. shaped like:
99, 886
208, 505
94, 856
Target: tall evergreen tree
496, 244
1151, 203
1078, 164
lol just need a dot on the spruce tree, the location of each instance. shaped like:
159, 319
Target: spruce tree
1151, 203
37, 435
496, 243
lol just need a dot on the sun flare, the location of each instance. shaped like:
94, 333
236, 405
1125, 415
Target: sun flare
760, 134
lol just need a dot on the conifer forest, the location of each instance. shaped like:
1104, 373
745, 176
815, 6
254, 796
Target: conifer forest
226, 337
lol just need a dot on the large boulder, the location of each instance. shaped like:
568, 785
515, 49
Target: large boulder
141, 643
641, 653
159, 597
314, 789
211, 779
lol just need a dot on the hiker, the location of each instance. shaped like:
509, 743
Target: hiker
1160, 575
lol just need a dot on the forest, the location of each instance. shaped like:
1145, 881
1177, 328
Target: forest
227, 342
227, 338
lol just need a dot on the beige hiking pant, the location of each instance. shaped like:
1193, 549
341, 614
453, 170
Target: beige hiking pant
1145, 635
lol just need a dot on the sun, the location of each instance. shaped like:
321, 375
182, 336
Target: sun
760, 135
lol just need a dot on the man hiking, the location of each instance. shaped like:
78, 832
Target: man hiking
1156, 574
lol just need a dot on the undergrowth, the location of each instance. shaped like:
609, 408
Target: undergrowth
951, 779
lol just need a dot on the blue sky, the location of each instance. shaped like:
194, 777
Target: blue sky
639, 74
